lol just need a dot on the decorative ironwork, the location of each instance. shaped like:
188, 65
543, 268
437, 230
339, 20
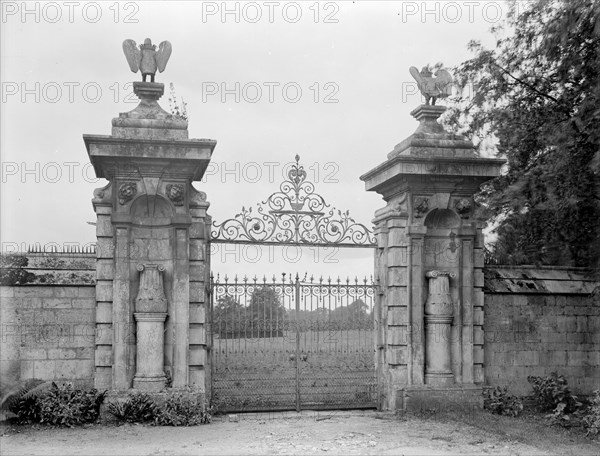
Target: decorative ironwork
294, 215
293, 344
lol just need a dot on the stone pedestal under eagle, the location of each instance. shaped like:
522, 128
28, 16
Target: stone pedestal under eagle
147, 59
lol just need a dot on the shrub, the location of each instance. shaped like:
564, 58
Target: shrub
183, 408
22, 399
591, 419
66, 406
27, 410
500, 402
137, 408
552, 393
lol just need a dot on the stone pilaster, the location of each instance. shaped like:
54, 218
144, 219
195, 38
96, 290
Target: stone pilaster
199, 260
428, 182
105, 272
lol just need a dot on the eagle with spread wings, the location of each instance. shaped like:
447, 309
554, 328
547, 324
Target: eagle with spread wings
433, 88
147, 59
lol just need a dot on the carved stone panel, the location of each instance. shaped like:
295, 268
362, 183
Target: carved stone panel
151, 295
127, 191
175, 193
420, 206
463, 207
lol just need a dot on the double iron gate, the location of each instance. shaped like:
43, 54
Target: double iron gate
290, 342
283, 344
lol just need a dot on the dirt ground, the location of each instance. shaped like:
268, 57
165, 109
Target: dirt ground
367, 432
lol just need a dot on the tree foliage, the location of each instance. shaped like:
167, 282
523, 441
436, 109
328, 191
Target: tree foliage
537, 94
265, 305
228, 314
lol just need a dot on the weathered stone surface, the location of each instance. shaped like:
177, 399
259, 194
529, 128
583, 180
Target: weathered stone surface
197, 377
75, 368
104, 312
104, 333
197, 313
465, 398
197, 334
7, 292
105, 269
197, 248
397, 315
396, 355
104, 290
197, 292
102, 378
524, 333
44, 370
197, 355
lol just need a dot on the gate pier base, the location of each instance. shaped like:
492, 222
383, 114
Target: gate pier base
437, 399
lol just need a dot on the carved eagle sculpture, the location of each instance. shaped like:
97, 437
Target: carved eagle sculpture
433, 88
147, 59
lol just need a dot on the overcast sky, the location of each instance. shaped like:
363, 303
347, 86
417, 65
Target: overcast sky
334, 88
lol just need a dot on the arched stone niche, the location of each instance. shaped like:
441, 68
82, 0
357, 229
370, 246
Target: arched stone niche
151, 210
441, 244
442, 254
152, 238
442, 219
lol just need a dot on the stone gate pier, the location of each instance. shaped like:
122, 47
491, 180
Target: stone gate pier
152, 259
429, 264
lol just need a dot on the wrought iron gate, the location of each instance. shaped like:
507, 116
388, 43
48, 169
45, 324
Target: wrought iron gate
293, 343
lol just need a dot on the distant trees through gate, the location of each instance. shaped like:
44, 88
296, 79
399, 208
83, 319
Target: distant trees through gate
265, 316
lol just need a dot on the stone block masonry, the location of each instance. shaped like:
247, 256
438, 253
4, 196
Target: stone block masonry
539, 321
48, 332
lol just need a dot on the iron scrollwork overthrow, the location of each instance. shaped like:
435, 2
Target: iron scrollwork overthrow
294, 215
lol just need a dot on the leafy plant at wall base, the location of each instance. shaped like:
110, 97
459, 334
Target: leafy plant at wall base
498, 401
64, 405
22, 398
137, 408
591, 419
183, 409
552, 393
27, 410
